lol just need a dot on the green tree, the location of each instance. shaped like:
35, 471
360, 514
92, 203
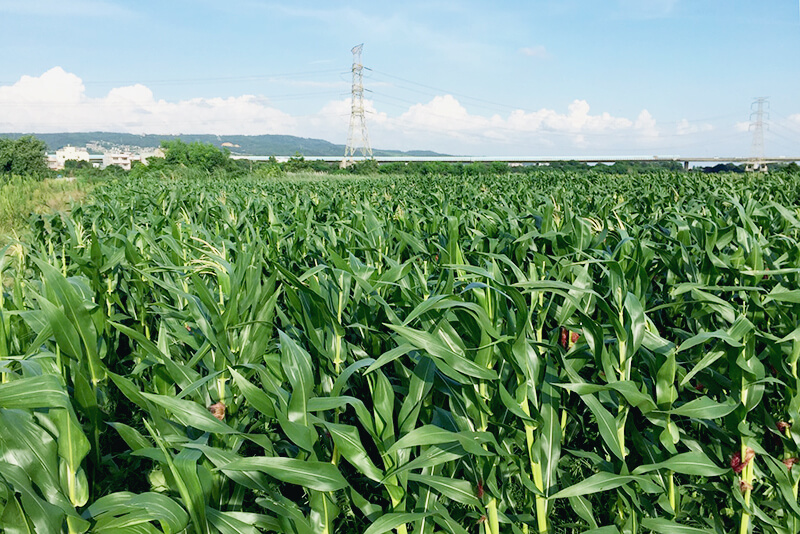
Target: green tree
296, 163
25, 156
203, 155
367, 166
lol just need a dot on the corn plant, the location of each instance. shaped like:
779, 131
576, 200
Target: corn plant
541, 353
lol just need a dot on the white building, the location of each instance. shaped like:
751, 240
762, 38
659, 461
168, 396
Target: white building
68, 153
122, 159
126, 159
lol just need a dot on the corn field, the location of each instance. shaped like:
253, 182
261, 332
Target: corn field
548, 353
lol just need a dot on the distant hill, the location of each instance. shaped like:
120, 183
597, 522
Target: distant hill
250, 145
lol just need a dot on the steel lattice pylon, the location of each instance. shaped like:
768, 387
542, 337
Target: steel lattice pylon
357, 137
757, 126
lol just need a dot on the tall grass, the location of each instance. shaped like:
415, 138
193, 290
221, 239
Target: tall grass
20, 197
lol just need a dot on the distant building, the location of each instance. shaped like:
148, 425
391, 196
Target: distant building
121, 159
68, 153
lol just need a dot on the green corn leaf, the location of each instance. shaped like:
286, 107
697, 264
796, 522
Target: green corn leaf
434, 346
457, 490
14, 519
419, 387
221, 458
609, 529
687, 463
444, 519
183, 377
583, 508
186, 467
599, 482
783, 481
317, 404
296, 363
391, 521
514, 407
190, 413
348, 443
50, 393
254, 395
132, 437
432, 456
707, 360
605, 423
433, 435
665, 526
229, 523
251, 520
28, 446
547, 449
46, 517
63, 330
320, 476
704, 337
705, 408
637, 320
781, 294
128, 509
72, 449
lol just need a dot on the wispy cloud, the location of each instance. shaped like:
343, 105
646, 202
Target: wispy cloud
684, 127
72, 9
538, 51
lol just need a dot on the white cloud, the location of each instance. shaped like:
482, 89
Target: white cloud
442, 114
57, 101
538, 51
646, 125
444, 124
684, 127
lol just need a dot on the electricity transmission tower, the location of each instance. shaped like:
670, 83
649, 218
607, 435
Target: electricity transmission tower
357, 138
761, 105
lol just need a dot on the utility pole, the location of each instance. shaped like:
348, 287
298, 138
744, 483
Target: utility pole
357, 137
758, 109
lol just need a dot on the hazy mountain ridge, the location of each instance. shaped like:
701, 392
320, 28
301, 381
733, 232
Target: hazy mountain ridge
256, 145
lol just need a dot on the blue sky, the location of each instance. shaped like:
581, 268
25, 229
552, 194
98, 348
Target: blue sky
534, 77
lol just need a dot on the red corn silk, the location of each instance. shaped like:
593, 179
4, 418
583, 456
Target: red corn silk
480, 489
737, 464
783, 426
563, 337
575, 337
789, 462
